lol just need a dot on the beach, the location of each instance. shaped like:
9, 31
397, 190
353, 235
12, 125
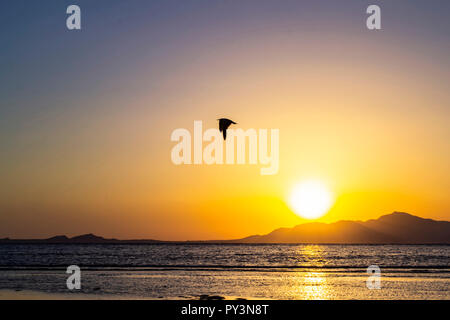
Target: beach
230, 285
202, 272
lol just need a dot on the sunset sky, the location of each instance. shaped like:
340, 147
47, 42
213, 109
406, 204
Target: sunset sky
86, 116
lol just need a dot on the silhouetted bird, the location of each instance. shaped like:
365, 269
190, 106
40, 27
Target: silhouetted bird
223, 126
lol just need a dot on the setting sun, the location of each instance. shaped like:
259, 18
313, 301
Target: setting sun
310, 199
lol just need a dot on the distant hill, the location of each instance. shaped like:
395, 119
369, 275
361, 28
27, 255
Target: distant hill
398, 227
85, 238
395, 228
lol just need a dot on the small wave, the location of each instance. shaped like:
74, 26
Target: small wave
257, 268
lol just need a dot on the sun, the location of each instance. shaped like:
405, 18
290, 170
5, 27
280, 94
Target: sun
310, 199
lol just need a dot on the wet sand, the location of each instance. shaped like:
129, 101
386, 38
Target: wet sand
37, 295
203, 285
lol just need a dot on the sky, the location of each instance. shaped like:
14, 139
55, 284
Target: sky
86, 116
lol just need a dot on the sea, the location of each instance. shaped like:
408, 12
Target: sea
229, 271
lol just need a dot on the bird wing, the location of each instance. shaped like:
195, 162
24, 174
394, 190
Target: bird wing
222, 126
225, 123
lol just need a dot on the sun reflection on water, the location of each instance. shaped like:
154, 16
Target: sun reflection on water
312, 285
311, 255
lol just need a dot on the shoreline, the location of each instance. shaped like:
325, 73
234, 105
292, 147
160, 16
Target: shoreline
9, 294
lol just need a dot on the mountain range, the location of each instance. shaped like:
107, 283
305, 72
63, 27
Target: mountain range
398, 227
394, 228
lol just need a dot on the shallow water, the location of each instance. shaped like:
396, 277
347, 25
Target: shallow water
247, 271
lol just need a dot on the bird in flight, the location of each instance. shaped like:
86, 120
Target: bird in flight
223, 126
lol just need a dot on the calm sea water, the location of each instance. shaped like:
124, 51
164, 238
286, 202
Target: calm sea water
248, 271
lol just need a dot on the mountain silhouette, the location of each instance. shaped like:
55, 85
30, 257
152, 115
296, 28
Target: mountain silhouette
398, 227
394, 228
89, 238
81, 239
